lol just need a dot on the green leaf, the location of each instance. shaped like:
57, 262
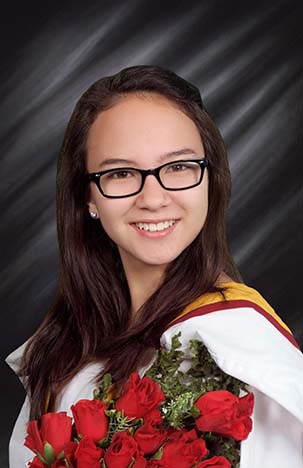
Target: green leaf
103, 443
158, 454
107, 380
49, 453
132, 463
195, 412
41, 458
138, 421
110, 412
100, 393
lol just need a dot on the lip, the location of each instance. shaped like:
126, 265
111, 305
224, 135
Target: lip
154, 234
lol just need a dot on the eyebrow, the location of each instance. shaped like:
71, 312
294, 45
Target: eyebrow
162, 157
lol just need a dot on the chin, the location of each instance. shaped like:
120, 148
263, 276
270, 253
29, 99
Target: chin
148, 257
158, 261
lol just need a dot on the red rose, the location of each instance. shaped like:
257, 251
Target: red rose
183, 453
69, 450
215, 462
90, 419
56, 429
225, 413
139, 397
61, 464
35, 463
183, 435
148, 438
140, 462
122, 450
87, 454
154, 417
154, 464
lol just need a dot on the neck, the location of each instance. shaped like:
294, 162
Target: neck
143, 280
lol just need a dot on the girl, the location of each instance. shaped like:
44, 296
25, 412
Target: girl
143, 186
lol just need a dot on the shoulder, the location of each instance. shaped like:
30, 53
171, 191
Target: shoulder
14, 359
247, 340
240, 308
81, 386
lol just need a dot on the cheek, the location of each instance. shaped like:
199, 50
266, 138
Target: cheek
111, 213
195, 203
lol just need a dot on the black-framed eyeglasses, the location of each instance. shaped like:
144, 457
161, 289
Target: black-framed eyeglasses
125, 182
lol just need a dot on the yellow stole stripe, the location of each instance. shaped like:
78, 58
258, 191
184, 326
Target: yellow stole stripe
234, 291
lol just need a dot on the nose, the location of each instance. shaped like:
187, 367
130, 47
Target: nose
152, 196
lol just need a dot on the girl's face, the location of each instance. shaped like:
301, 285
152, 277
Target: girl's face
139, 131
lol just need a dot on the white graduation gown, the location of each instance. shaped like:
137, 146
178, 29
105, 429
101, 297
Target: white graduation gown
246, 342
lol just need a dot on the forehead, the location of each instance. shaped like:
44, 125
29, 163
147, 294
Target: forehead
141, 126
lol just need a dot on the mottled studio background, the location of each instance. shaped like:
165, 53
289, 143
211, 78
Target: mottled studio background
244, 57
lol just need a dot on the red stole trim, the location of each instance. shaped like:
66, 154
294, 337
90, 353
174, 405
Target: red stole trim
232, 304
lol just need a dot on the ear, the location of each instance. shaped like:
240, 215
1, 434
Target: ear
92, 208
91, 205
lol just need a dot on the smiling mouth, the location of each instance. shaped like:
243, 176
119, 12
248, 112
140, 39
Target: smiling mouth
155, 227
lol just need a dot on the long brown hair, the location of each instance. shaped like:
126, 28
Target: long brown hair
90, 317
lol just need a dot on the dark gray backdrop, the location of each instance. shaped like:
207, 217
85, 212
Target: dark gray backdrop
244, 57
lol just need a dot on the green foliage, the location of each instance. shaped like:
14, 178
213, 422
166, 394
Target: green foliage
226, 447
118, 423
101, 392
205, 368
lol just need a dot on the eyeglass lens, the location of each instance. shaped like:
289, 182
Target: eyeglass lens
173, 176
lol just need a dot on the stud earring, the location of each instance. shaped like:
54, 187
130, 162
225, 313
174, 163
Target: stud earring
93, 214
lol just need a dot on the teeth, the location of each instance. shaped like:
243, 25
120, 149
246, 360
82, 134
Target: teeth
155, 227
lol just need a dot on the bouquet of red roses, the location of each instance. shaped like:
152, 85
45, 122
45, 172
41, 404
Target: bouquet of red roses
180, 422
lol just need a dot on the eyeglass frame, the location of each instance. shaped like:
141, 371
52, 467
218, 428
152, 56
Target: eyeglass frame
95, 176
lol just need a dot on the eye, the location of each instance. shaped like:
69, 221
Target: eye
119, 174
178, 167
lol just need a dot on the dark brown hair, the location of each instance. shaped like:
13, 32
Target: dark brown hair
89, 319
